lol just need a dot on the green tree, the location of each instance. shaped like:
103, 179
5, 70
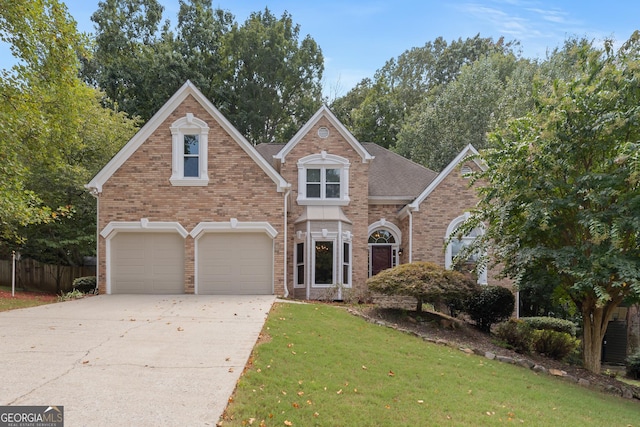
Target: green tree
54, 134
425, 281
273, 81
44, 40
402, 86
561, 193
485, 93
125, 64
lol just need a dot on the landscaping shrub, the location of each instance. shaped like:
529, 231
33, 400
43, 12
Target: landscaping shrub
425, 281
85, 284
554, 344
518, 335
492, 304
551, 324
633, 365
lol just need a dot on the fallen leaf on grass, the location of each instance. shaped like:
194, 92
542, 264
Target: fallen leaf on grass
300, 393
339, 391
288, 423
391, 374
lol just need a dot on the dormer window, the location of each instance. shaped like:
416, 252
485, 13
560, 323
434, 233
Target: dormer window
189, 155
323, 179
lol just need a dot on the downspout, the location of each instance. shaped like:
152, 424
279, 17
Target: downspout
286, 198
410, 235
94, 192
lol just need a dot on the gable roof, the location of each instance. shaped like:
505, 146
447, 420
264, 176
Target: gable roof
188, 89
393, 177
326, 113
469, 150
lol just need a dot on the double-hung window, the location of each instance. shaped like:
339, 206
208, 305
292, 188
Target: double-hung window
323, 179
323, 183
189, 154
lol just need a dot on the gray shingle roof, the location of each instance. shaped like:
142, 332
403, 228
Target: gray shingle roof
391, 176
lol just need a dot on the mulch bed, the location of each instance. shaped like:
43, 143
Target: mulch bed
30, 295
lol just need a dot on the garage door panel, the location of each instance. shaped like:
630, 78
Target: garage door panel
147, 263
235, 263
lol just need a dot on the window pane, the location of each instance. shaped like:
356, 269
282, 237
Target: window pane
345, 274
345, 251
300, 253
313, 191
381, 236
300, 275
191, 145
191, 166
313, 175
333, 191
456, 247
324, 263
333, 175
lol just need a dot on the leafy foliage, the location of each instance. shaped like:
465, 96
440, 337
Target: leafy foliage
554, 344
633, 365
551, 324
54, 135
261, 75
85, 284
561, 192
517, 334
492, 304
425, 281
378, 110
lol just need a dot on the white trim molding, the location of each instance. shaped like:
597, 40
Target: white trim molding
144, 225
233, 225
189, 125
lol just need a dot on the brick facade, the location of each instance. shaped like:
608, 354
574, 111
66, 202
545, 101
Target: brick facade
252, 189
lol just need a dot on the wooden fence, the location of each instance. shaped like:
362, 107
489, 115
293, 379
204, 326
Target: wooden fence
33, 275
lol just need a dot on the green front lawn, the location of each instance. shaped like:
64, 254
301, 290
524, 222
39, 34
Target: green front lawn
318, 365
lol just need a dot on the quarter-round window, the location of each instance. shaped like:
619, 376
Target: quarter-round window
323, 132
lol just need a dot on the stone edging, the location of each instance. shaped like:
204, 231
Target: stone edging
622, 391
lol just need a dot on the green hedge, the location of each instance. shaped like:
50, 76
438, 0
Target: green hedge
551, 324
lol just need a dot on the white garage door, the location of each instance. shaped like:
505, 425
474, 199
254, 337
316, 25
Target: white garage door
235, 263
147, 263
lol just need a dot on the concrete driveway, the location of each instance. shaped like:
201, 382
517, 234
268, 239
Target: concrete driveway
130, 360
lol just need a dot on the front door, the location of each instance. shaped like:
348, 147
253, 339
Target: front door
380, 258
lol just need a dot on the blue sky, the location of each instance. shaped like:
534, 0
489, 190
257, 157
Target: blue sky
357, 37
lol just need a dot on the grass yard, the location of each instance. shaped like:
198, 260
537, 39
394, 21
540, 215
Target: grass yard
318, 365
23, 299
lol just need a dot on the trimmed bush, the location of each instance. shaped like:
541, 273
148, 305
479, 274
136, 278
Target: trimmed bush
518, 335
554, 344
85, 284
633, 365
551, 324
492, 304
425, 281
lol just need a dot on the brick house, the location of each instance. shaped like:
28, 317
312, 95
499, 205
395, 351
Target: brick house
190, 206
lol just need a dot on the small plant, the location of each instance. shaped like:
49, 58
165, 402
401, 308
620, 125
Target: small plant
554, 344
86, 284
492, 304
74, 294
517, 334
633, 365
